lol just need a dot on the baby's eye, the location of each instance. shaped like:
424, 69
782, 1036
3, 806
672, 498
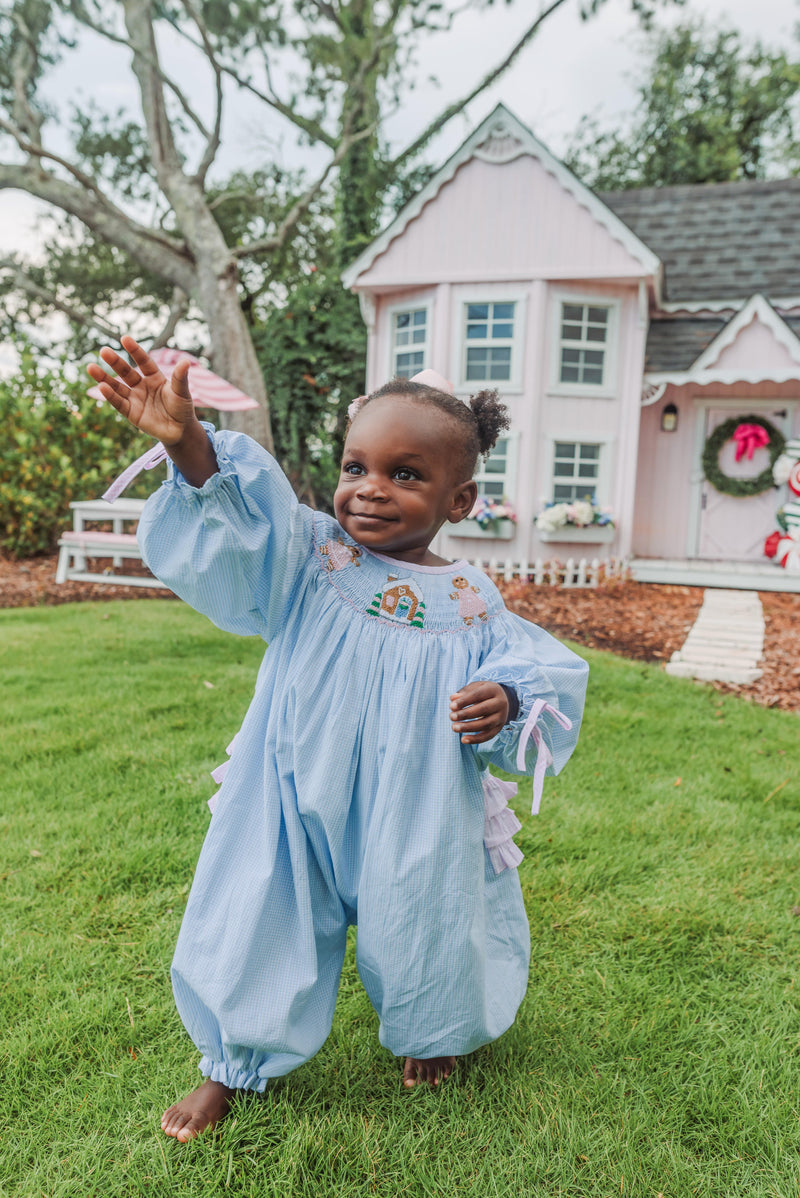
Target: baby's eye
352, 468
405, 474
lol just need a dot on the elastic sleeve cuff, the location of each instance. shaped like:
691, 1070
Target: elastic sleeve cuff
513, 702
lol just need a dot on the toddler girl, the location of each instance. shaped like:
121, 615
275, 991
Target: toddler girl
357, 790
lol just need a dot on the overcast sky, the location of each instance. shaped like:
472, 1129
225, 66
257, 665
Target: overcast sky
571, 69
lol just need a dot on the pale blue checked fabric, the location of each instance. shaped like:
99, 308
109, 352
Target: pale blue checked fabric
348, 798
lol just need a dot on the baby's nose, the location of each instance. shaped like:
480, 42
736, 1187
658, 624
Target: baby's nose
372, 486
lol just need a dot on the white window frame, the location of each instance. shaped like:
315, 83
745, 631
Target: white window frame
468, 297
608, 387
395, 310
605, 471
509, 478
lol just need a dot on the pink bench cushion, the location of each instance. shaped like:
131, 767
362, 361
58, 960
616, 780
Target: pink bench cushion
110, 540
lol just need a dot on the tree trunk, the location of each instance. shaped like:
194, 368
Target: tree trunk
232, 353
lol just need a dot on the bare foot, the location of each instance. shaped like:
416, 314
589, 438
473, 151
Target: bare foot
203, 1108
431, 1070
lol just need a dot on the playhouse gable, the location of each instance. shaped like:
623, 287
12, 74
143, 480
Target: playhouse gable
755, 334
502, 208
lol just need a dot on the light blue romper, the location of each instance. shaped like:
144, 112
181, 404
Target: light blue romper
348, 798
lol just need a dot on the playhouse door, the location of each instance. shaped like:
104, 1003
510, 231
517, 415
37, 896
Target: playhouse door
734, 528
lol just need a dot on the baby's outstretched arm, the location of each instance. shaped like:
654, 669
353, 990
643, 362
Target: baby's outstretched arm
479, 711
162, 408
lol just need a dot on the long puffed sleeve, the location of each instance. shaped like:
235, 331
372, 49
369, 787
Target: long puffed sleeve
550, 682
235, 548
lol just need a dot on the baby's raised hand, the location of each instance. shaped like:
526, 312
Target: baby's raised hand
144, 396
479, 711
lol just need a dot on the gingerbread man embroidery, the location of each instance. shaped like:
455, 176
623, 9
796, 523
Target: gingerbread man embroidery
339, 554
470, 605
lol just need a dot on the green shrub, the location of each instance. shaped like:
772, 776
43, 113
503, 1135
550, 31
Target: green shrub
58, 445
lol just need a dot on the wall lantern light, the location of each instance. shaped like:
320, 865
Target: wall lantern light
669, 419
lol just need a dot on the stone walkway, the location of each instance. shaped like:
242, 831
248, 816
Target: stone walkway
726, 641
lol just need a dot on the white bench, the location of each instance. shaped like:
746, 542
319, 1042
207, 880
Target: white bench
75, 547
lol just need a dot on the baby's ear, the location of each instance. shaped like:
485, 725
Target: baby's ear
464, 498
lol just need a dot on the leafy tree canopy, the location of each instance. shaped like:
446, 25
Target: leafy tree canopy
148, 231
711, 110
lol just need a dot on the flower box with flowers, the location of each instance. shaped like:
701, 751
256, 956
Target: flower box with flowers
488, 518
580, 521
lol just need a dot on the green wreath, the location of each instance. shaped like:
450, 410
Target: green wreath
740, 487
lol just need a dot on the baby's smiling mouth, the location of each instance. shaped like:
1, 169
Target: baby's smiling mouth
371, 516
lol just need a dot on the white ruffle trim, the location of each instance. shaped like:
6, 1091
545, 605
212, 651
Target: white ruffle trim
500, 823
219, 773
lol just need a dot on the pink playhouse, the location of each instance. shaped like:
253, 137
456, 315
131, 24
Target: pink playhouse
647, 343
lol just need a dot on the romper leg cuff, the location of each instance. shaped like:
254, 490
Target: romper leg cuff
235, 1079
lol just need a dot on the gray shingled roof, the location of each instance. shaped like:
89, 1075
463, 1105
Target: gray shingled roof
675, 343
719, 241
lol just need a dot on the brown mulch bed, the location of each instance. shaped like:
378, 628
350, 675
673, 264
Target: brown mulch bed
640, 621
647, 622
32, 583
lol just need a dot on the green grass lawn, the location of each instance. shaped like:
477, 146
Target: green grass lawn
657, 1048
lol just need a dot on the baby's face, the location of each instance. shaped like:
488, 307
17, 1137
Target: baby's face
397, 484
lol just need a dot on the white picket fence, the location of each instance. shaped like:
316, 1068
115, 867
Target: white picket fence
554, 573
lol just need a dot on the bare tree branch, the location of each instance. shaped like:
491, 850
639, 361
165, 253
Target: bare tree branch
311, 127
270, 244
178, 309
23, 68
36, 150
152, 250
80, 13
76, 313
213, 140
453, 109
146, 68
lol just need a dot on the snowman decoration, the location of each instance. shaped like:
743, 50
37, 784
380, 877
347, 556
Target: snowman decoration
784, 545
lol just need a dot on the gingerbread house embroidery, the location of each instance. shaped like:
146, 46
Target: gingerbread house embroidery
400, 600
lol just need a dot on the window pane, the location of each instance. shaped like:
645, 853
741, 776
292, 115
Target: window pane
565, 449
502, 332
593, 333
571, 332
418, 336
408, 364
495, 466
500, 372
598, 315
594, 357
402, 320
477, 332
562, 494
570, 356
477, 311
569, 374
592, 375
420, 316
587, 470
589, 452
572, 311
563, 470
504, 311
492, 490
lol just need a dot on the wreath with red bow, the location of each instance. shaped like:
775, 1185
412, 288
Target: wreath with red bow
750, 433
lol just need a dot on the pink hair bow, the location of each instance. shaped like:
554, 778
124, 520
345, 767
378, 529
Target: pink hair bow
429, 378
